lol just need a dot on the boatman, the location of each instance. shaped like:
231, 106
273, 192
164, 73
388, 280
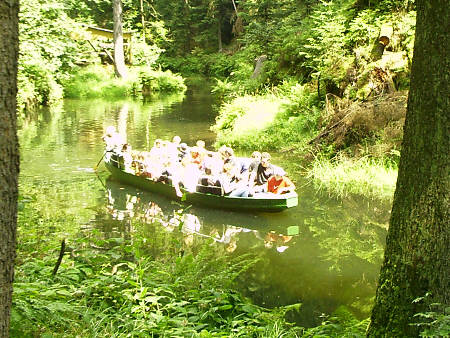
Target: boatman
114, 142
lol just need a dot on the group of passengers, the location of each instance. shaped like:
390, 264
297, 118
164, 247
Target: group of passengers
197, 169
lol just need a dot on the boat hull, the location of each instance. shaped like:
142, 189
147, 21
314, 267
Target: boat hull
275, 203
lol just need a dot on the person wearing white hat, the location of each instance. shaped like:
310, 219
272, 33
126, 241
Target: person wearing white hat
279, 183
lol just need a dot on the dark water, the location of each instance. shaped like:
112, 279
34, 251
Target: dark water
325, 253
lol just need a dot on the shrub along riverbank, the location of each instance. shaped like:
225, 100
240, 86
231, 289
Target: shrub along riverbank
98, 81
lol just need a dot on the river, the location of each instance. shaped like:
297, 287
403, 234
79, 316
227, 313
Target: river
324, 253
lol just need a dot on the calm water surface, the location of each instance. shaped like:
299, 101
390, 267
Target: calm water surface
325, 253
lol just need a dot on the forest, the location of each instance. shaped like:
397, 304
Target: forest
326, 85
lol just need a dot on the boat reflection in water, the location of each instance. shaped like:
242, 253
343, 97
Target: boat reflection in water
130, 203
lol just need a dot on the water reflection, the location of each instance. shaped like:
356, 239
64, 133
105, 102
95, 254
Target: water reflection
125, 204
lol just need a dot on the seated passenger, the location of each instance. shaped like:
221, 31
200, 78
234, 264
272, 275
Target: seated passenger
255, 161
173, 147
125, 154
209, 182
194, 157
183, 151
279, 183
156, 151
169, 170
190, 172
214, 161
230, 182
260, 176
176, 140
201, 145
152, 167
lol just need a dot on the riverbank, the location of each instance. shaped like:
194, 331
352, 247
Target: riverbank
345, 147
99, 81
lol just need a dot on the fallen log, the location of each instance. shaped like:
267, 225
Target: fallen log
383, 41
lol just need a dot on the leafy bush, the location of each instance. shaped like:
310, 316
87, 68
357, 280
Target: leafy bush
100, 81
340, 324
47, 52
217, 65
436, 321
37, 86
145, 54
280, 120
365, 176
160, 81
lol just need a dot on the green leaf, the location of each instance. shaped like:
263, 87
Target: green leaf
226, 307
64, 293
293, 230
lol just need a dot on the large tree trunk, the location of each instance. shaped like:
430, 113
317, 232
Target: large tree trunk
9, 155
119, 59
417, 246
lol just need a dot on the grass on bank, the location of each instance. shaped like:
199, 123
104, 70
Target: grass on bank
363, 176
274, 120
98, 81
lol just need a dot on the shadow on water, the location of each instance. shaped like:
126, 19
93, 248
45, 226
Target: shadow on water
324, 253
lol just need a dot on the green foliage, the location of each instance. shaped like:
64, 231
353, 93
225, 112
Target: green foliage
365, 176
99, 81
436, 321
160, 81
47, 52
145, 54
340, 324
198, 62
324, 50
279, 120
125, 288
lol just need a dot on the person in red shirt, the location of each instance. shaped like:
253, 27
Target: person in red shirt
279, 183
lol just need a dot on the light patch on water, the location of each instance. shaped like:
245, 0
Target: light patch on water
87, 170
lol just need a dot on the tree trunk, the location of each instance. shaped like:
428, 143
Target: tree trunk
259, 65
219, 33
9, 155
417, 246
119, 59
142, 20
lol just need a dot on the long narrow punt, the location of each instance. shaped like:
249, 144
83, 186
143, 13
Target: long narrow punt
264, 202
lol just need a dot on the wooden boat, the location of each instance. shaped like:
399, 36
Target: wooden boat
260, 202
